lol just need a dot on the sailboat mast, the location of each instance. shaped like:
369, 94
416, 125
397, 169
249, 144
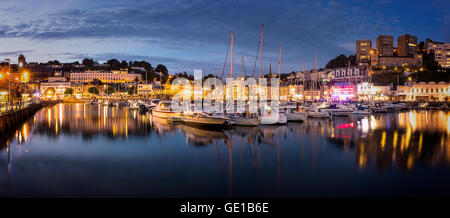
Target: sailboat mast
242, 66
231, 67
279, 65
260, 56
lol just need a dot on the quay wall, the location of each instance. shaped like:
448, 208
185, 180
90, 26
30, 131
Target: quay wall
11, 120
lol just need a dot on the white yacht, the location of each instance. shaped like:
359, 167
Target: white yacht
244, 120
203, 119
268, 118
317, 113
164, 110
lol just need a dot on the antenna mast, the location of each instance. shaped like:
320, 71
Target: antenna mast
279, 65
231, 67
260, 58
242, 66
315, 61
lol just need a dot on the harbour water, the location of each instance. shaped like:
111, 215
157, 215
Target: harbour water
87, 150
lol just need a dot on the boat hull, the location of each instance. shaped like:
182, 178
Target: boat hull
245, 121
165, 114
297, 117
273, 120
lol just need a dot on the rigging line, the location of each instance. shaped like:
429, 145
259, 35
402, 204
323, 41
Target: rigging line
257, 53
226, 57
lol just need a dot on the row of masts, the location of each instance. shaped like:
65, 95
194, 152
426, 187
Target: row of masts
260, 56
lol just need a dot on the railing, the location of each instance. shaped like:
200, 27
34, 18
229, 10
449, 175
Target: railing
6, 107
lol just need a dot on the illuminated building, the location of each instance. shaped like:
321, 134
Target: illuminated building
53, 89
21, 62
407, 45
368, 91
116, 76
343, 91
363, 48
385, 45
425, 92
144, 89
441, 52
399, 61
347, 74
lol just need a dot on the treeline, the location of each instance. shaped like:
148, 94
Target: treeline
148, 72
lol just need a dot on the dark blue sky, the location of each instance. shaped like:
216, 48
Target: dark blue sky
193, 34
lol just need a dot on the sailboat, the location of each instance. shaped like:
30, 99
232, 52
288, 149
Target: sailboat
164, 110
241, 119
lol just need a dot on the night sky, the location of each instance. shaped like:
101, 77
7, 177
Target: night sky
191, 34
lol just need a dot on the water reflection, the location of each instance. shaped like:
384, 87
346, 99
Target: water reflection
268, 159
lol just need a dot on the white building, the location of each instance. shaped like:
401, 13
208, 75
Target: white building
368, 91
56, 88
425, 91
144, 89
441, 52
118, 76
347, 74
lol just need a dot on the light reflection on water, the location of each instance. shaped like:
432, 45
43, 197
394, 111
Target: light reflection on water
87, 150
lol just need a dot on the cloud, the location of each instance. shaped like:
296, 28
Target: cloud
198, 31
15, 53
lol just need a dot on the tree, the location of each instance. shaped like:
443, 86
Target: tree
432, 71
88, 63
93, 90
161, 69
55, 62
123, 64
341, 61
114, 64
131, 90
96, 82
110, 90
68, 91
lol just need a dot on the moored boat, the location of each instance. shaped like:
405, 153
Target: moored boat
204, 119
164, 110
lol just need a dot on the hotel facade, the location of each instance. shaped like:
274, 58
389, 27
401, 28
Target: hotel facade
422, 91
119, 76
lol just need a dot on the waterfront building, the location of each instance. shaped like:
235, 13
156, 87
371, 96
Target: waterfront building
21, 62
53, 89
343, 91
385, 45
441, 52
422, 91
363, 48
369, 92
399, 61
407, 45
347, 74
144, 89
115, 76
54, 79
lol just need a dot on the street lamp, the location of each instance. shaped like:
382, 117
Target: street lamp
9, 82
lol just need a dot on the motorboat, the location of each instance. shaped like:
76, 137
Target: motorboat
94, 101
362, 110
379, 108
134, 105
153, 103
317, 113
273, 119
269, 117
164, 110
244, 119
336, 110
295, 115
203, 119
